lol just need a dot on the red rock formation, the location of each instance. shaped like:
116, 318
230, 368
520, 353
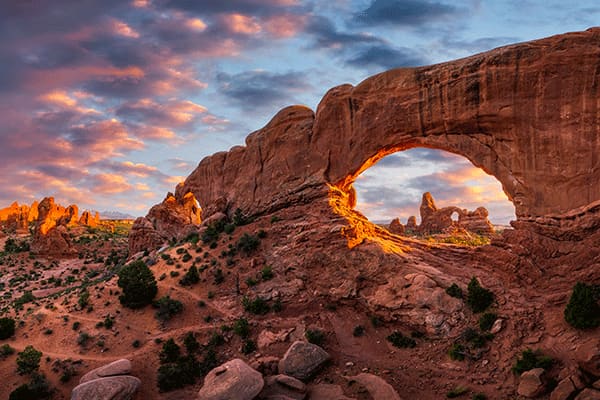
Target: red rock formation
512, 111
87, 219
396, 227
50, 235
171, 219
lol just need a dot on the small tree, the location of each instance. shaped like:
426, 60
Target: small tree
170, 352
478, 298
7, 327
138, 285
191, 277
583, 311
28, 360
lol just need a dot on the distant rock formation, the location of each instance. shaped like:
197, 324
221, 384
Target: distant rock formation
17, 217
436, 220
88, 220
171, 219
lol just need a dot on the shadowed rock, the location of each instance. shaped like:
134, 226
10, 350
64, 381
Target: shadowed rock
110, 388
302, 360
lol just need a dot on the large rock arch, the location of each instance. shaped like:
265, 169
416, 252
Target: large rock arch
526, 113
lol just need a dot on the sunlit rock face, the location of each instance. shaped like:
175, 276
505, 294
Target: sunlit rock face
50, 236
525, 113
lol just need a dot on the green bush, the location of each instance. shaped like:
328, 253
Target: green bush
478, 298
239, 218
486, 321
248, 346
190, 343
167, 308
138, 285
84, 299
257, 306
28, 360
454, 291
399, 340
583, 311
170, 352
457, 352
531, 359
173, 376
241, 328
359, 330
6, 350
7, 327
191, 277
315, 336
248, 243
37, 389
479, 396
12, 246
267, 273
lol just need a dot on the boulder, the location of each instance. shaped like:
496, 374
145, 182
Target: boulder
325, 391
531, 384
376, 386
110, 388
283, 386
119, 367
234, 380
302, 360
563, 390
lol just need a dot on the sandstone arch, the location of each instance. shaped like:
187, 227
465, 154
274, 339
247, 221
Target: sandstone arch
525, 113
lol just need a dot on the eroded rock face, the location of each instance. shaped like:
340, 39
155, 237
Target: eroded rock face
119, 367
17, 217
512, 125
172, 219
88, 220
50, 235
110, 388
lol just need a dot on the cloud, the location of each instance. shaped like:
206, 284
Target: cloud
407, 13
385, 56
207, 7
252, 89
326, 35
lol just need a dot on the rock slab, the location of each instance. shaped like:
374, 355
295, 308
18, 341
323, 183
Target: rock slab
302, 360
110, 388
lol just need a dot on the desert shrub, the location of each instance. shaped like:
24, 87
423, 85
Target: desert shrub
456, 392
315, 336
241, 328
359, 330
248, 243
454, 291
376, 321
170, 352
267, 273
213, 231
216, 339
28, 360
277, 305
83, 339
401, 341
478, 298
136, 344
173, 376
108, 322
479, 396
486, 321
138, 285
229, 228
190, 343
248, 346
191, 277
531, 359
26, 297
6, 350
457, 352
186, 257
251, 282
167, 308
583, 311
12, 246
239, 218
37, 389
258, 306
7, 327
84, 299
218, 276
76, 325
475, 338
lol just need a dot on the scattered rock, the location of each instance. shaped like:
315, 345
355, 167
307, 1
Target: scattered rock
497, 326
531, 384
302, 360
110, 388
267, 338
119, 367
234, 380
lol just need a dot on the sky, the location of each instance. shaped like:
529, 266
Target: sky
110, 103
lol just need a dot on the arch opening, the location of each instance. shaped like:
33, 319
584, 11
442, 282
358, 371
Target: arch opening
427, 193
